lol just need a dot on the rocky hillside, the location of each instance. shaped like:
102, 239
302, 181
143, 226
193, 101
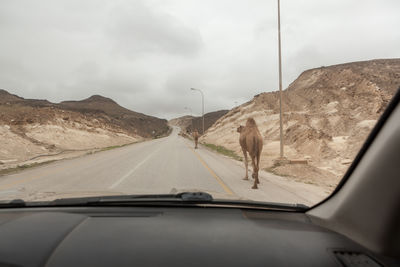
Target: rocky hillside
187, 123
328, 113
182, 122
209, 119
29, 127
132, 122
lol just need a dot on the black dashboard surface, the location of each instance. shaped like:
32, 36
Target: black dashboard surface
137, 236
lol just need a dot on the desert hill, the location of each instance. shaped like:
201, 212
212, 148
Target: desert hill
188, 123
30, 127
135, 122
328, 113
182, 122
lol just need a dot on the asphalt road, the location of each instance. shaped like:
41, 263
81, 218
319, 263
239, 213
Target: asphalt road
166, 165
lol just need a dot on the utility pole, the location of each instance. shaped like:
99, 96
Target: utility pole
280, 82
202, 101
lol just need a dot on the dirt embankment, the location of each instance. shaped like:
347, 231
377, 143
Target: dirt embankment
328, 113
33, 128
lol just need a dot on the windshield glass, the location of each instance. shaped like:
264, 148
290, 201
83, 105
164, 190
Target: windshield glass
239, 99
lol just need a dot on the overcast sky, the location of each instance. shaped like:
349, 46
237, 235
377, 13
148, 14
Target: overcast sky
147, 54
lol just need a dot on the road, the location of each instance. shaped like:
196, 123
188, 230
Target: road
166, 165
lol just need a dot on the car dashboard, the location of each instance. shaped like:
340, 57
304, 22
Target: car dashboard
171, 236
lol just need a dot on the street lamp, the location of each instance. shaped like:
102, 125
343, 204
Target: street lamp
280, 81
191, 116
202, 101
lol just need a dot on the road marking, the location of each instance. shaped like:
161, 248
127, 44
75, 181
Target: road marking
16, 181
219, 180
133, 170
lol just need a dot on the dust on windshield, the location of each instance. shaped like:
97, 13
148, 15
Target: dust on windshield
104, 98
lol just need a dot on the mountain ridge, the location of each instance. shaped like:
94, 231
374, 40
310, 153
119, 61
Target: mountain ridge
32, 127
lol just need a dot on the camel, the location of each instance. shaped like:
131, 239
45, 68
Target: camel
251, 141
195, 135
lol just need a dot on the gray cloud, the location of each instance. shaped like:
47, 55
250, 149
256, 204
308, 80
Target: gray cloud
136, 29
147, 54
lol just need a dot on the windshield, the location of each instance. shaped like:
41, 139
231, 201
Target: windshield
238, 99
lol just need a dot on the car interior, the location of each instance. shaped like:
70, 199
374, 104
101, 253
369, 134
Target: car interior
357, 225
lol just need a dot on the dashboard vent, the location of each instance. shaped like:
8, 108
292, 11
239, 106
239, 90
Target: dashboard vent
355, 259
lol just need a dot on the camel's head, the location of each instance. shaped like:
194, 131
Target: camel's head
239, 129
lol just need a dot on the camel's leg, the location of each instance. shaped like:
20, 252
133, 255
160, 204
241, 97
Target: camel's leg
255, 171
195, 142
258, 165
253, 163
246, 164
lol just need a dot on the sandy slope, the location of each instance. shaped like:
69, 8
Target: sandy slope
328, 113
36, 128
53, 139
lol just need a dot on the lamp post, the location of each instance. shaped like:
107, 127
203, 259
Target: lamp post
280, 82
202, 101
191, 119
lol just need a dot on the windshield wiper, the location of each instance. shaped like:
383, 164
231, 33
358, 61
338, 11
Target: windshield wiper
187, 197
15, 203
182, 199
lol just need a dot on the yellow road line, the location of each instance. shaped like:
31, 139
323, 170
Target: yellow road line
219, 180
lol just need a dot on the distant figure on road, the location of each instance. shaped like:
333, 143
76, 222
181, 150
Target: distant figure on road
251, 141
195, 135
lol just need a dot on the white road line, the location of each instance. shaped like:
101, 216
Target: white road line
133, 170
